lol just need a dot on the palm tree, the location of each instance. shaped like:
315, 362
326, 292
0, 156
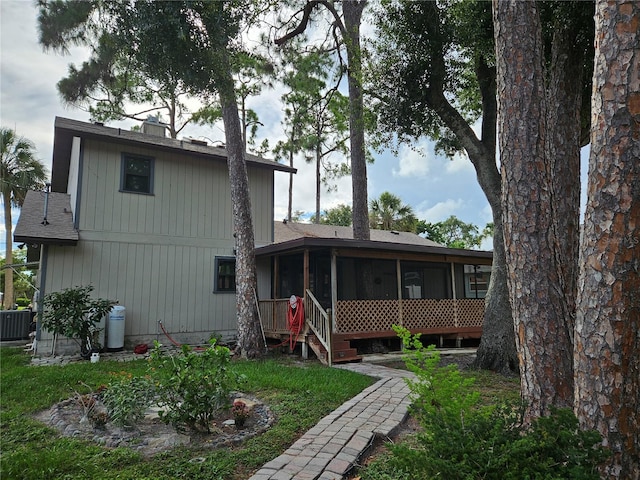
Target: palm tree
389, 213
20, 171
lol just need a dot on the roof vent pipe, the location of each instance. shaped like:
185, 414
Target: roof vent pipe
46, 203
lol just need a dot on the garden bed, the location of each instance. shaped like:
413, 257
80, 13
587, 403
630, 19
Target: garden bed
151, 435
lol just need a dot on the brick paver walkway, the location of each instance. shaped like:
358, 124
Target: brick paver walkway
331, 449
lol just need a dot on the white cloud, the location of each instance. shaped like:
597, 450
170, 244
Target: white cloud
458, 164
440, 211
414, 162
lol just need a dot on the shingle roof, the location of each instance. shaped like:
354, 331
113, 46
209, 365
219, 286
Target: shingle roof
57, 230
284, 232
291, 237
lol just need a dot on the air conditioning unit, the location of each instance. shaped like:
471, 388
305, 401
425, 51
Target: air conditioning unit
14, 324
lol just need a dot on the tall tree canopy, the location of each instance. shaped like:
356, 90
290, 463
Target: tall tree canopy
193, 41
316, 117
455, 233
117, 81
433, 74
345, 29
20, 171
389, 213
340, 215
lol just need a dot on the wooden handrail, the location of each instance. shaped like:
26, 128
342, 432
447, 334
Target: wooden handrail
319, 322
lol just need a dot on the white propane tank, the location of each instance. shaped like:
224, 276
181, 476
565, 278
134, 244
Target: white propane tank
115, 329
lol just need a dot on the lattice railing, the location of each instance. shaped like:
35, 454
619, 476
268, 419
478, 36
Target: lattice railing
470, 312
418, 314
429, 313
365, 315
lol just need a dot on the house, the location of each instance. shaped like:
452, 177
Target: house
355, 291
146, 220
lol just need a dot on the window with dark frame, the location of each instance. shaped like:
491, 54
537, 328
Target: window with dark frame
136, 174
225, 277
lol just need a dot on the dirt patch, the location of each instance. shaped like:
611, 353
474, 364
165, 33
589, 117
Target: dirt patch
151, 435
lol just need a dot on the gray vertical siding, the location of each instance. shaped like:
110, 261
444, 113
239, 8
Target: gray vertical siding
155, 254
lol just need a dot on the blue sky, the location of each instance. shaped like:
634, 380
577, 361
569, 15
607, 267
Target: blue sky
434, 186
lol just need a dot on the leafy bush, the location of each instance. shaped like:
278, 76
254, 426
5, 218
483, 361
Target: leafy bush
193, 386
127, 399
462, 440
74, 314
23, 302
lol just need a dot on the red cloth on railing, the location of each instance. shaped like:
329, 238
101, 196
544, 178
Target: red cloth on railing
295, 319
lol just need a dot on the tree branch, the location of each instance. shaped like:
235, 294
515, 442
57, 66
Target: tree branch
304, 22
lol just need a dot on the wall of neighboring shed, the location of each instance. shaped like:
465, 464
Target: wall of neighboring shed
155, 254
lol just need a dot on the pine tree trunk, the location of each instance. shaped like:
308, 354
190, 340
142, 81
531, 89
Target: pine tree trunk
563, 152
543, 339
290, 203
352, 12
607, 335
250, 341
8, 272
318, 181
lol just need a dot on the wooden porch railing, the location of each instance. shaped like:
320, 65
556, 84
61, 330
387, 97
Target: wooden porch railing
319, 322
273, 313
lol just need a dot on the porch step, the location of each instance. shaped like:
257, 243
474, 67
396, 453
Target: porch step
318, 349
342, 351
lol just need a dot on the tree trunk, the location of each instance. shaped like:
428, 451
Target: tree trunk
250, 341
607, 335
543, 338
318, 179
497, 349
352, 12
563, 152
290, 203
8, 272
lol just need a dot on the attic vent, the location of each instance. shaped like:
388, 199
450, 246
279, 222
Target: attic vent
198, 142
395, 232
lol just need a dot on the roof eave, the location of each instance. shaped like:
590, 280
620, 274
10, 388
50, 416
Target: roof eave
65, 129
46, 241
303, 242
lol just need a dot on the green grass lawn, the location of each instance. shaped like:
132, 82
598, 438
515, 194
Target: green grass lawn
298, 394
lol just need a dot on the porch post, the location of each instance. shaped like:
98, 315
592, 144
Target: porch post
276, 269
334, 288
305, 281
305, 273
399, 280
455, 299
276, 290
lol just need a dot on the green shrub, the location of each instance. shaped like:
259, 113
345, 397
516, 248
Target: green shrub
462, 440
193, 386
127, 399
74, 314
22, 302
